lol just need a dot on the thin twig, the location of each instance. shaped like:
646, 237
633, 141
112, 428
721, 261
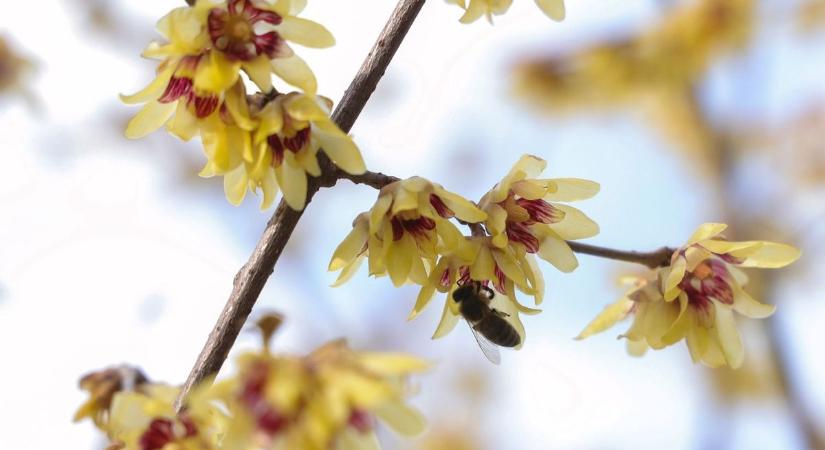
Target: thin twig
252, 277
654, 259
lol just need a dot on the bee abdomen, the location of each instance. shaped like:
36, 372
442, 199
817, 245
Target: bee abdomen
498, 331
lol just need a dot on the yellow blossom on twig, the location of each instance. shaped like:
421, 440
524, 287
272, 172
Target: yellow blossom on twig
521, 213
405, 231
695, 297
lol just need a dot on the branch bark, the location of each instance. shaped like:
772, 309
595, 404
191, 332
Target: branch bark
654, 259
252, 277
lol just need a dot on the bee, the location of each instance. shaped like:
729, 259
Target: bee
488, 325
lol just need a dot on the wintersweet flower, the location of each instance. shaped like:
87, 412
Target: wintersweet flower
475, 9
505, 270
209, 44
520, 212
695, 297
147, 421
405, 231
329, 399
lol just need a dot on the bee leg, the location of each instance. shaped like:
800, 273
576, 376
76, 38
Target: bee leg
490, 293
499, 313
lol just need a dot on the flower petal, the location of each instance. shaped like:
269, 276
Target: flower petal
350, 247
729, 338
570, 189
575, 225
449, 318
296, 72
403, 419
770, 255
553, 9
153, 91
556, 251
340, 148
151, 117
610, 315
305, 32
746, 305
676, 272
706, 231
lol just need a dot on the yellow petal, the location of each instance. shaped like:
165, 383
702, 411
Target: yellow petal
400, 259
293, 182
379, 211
305, 32
235, 184
770, 255
496, 220
238, 107
404, 200
575, 225
706, 231
534, 276
729, 338
483, 267
151, 117
511, 270
340, 149
556, 251
348, 439
529, 189
183, 124
296, 72
349, 271
259, 70
449, 318
553, 9
675, 274
271, 121
403, 419
463, 208
269, 186
216, 73
392, 363
610, 315
154, 90
473, 12
746, 305
352, 245
570, 189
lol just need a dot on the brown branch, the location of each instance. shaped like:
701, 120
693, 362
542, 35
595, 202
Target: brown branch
654, 259
252, 277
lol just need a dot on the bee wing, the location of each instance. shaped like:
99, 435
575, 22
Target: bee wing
489, 349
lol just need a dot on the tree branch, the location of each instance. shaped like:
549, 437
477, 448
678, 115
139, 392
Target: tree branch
654, 259
252, 277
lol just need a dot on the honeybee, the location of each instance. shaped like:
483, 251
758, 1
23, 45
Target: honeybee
488, 325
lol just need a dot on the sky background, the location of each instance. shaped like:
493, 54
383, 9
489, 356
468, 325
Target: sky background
114, 251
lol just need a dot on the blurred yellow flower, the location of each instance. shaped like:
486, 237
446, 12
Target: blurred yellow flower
704, 277
475, 9
405, 231
520, 212
326, 400
208, 44
147, 421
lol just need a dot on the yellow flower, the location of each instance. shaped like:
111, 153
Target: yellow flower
704, 277
329, 399
404, 232
147, 421
475, 9
520, 212
102, 387
208, 44
505, 269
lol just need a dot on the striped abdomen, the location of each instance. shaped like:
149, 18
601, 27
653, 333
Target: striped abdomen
498, 331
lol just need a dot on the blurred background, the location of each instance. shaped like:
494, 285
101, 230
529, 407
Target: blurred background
686, 112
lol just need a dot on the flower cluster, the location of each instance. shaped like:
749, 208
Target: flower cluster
475, 9
329, 399
694, 298
199, 90
407, 235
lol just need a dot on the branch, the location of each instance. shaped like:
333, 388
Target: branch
654, 259
252, 277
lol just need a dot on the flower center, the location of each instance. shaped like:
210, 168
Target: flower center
708, 281
232, 31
